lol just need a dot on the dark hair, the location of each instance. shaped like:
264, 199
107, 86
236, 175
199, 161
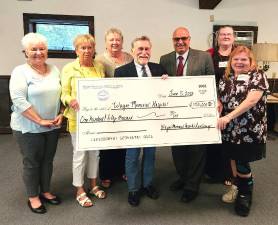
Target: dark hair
217, 33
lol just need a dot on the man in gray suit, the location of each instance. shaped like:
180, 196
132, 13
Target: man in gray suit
189, 160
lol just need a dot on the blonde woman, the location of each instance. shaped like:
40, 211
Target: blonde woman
112, 162
83, 67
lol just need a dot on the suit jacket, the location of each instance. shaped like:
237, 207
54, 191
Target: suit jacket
129, 70
199, 63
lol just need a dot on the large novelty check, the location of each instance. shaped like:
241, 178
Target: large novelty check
141, 112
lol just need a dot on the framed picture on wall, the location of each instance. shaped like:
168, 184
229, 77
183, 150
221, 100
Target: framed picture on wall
245, 35
60, 31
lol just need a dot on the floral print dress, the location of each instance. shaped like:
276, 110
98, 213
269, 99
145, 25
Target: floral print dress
251, 126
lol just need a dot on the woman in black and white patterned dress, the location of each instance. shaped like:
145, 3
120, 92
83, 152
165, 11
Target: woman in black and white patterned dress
243, 94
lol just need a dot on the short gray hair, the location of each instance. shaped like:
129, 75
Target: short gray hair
113, 31
142, 38
33, 38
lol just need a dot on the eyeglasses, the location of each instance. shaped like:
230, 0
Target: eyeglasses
181, 38
142, 48
226, 34
38, 49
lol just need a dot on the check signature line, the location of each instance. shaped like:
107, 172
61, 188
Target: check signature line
187, 128
121, 131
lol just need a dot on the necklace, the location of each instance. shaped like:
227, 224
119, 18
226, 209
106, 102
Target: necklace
40, 71
116, 60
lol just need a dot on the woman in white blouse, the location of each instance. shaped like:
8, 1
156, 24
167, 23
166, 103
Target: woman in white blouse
36, 116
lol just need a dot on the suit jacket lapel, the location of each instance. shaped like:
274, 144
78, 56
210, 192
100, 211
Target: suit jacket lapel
173, 64
190, 63
152, 69
133, 71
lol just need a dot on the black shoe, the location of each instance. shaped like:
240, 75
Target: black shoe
53, 201
188, 196
243, 204
39, 210
177, 185
151, 192
134, 198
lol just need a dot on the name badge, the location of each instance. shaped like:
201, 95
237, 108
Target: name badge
223, 64
243, 77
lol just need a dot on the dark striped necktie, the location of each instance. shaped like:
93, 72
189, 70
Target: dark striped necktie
144, 74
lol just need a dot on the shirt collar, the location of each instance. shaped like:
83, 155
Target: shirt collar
138, 65
139, 69
184, 55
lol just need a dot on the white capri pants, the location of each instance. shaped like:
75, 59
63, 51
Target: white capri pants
82, 160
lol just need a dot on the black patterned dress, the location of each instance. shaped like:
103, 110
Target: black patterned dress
245, 136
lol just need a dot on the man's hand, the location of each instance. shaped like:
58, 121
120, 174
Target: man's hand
164, 76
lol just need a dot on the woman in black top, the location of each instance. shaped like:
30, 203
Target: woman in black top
218, 167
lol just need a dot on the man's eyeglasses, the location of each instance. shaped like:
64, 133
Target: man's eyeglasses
180, 38
142, 48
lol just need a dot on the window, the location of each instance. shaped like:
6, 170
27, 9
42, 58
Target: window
60, 30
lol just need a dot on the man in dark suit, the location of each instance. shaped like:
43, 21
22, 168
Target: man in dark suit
140, 67
189, 160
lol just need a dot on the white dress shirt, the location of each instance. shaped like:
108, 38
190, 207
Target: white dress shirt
140, 71
184, 61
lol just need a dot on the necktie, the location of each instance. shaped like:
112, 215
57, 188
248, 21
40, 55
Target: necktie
180, 66
144, 74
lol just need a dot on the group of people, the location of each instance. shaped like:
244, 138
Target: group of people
42, 96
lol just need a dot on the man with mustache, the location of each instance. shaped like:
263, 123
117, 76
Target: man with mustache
140, 67
189, 160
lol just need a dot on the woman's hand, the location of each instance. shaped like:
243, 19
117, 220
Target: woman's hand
164, 76
58, 120
74, 105
46, 123
222, 122
32, 115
